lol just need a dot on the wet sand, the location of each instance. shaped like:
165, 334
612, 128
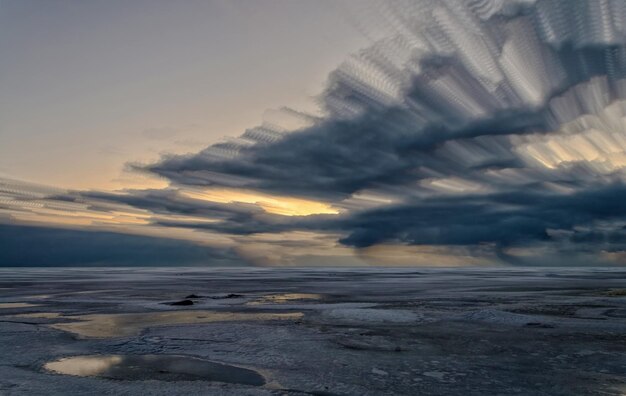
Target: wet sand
154, 367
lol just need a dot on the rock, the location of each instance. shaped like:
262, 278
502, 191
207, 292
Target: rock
182, 302
230, 295
372, 343
538, 324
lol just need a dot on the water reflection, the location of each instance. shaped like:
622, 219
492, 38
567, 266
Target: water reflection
84, 366
40, 315
154, 367
122, 325
285, 298
17, 305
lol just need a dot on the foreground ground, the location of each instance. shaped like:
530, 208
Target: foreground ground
317, 332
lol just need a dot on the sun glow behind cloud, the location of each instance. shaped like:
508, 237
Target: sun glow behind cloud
284, 206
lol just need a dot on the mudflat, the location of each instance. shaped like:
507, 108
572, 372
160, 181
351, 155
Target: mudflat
251, 331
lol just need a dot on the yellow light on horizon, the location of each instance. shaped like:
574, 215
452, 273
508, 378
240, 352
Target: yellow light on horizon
284, 206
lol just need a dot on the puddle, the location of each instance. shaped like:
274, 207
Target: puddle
154, 367
123, 325
285, 298
17, 305
42, 315
39, 296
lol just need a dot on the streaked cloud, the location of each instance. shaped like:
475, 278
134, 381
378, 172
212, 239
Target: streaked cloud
466, 133
284, 206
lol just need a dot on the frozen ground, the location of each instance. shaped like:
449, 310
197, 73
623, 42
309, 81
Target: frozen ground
315, 332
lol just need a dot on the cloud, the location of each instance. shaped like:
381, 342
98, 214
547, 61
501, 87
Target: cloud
498, 124
27, 246
493, 129
464, 77
505, 219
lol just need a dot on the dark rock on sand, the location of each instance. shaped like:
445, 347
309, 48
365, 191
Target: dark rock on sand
230, 295
182, 302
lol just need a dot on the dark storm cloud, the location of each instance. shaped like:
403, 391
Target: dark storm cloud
504, 219
387, 141
27, 246
339, 157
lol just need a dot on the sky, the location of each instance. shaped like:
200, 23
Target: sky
284, 133
101, 83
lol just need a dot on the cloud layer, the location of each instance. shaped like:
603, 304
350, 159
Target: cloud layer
27, 246
485, 122
490, 125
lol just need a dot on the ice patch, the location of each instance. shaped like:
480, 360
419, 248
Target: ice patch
379, 372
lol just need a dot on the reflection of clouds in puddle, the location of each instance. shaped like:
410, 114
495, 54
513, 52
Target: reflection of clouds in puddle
38, 296
83, 365
154, 367
17, 305
129, 324
285, 298
43, 315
